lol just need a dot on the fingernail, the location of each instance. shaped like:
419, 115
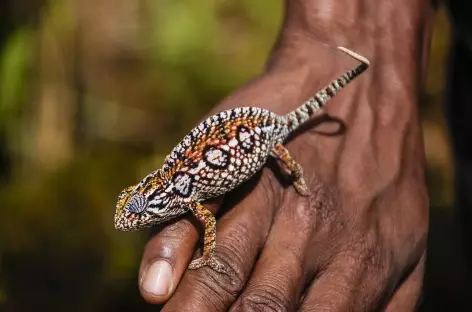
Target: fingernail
157, 279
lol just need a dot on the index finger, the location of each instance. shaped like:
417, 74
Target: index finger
241, 235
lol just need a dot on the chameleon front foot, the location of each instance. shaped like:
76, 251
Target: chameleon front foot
209, 240
207, 261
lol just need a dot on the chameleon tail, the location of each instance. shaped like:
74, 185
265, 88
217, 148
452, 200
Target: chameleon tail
317, 102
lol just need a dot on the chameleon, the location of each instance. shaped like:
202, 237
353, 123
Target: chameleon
215, 157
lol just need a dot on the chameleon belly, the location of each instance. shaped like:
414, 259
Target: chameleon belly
228, 149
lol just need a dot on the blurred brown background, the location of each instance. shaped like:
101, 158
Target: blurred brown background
93, 94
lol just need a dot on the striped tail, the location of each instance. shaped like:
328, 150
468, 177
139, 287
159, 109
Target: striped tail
318, 101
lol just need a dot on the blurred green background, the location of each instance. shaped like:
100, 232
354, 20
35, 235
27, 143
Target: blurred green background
93, 94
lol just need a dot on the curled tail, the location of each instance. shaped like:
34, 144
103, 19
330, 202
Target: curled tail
318, 101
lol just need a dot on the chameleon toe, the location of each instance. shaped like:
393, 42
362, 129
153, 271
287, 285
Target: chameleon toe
204, 261
302, 188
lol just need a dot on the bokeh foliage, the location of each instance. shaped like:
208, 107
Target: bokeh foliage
92, 96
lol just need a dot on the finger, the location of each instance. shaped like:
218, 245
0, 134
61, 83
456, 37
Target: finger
279, 275
165, 259
406, 297
354, 281
241, 233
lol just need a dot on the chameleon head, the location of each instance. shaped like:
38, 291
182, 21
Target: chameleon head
131, 210
147, 203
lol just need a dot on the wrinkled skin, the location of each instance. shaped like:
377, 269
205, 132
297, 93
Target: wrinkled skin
359, 242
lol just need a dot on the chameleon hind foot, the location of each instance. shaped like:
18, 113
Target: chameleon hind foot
207, 261
292, 168
301, 187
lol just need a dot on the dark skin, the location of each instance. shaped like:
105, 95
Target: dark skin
358, 243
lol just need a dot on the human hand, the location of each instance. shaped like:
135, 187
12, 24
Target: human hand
357, 241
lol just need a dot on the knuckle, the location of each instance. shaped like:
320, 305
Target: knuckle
237, 251
372, 256
320, 207
323, 201
366, 253
268, 298
229, 282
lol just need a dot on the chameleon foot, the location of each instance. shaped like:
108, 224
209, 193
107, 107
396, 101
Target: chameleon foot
207, 261
301, 187
292, 168
208, 220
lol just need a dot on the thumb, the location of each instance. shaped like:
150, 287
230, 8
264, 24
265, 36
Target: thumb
166, 258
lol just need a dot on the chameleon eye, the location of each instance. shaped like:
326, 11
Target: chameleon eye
137, 204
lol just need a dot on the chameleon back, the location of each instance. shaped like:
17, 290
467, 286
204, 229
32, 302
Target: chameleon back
223, 151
